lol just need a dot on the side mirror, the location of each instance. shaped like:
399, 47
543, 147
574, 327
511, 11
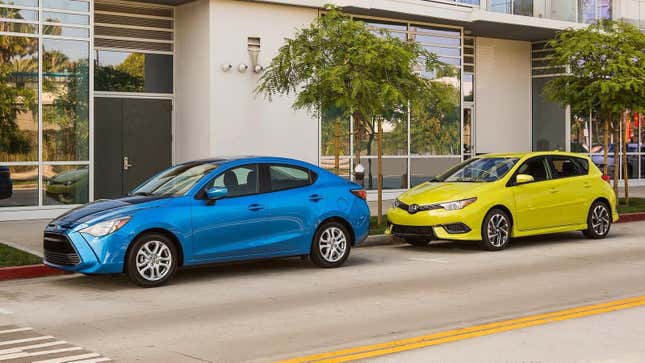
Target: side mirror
215, 193
523, 179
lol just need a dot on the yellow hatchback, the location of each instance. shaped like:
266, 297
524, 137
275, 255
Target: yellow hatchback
495, 197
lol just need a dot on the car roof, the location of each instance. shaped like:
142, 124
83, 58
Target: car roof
247, 158
531, 154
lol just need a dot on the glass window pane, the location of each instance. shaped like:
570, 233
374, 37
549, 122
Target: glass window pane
451, 52
422, 170
523, 7
435, 129
285, 177
549, 120
343, 171
500, 6
18, 186
605, 10
563, 10
66, 31
468, 131
67, 5
579, 141
65, 100
334, 133
435, 30
32, 3
65, 184
395, 173
239, 181
133, 72
20, 14
632, 166
19, 93
52, 17
586, 11
18, 27
469, 95
436, 40
390, 26
395, 136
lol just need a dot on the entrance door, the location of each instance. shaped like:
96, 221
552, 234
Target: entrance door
132, 142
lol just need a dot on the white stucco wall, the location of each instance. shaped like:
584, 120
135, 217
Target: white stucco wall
192, 87
241, 122
503, 95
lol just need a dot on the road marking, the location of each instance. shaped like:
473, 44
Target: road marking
74, 358
34, 354
28, 347
396, 346
97, 360
420, 259
26, 340
14, 330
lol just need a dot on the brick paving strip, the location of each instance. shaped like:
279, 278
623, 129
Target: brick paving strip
23, 345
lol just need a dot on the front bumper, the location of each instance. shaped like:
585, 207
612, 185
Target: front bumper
77, 252
464, 224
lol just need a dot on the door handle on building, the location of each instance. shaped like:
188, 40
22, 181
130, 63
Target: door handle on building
126, 163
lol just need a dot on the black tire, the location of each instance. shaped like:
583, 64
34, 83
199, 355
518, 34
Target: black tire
496, 230
417, 241
331, 245
598, 220
152, 261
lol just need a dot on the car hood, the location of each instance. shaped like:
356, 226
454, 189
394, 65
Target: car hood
104, 207
429, 193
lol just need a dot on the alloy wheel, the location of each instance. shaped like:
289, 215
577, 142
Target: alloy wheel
154, 260
498, 230
600, 220
332, 244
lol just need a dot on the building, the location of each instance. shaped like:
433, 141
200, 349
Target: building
103, 93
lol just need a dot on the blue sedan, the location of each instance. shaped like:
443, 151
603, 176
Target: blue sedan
215, 210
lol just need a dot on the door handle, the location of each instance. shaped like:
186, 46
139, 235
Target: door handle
126, 163
553, 190
315, 197
587, 185
255, 207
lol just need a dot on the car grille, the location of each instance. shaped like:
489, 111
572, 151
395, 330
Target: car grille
415, 208
59, 250
412, 230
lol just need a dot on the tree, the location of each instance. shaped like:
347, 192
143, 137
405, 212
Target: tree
605, 65
339, 62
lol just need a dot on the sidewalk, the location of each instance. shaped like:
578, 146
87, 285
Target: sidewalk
24, 235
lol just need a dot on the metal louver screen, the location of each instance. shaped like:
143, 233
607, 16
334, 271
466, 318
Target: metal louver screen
133, 26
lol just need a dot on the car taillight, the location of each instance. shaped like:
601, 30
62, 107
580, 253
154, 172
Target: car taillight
606, 178
360, 193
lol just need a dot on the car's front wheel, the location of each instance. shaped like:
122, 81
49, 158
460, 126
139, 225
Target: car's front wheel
496, 230
152, 260
331, 245
598, 221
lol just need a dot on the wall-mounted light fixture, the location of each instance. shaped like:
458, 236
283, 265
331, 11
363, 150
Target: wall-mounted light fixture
242, 67
226, 67
253, 45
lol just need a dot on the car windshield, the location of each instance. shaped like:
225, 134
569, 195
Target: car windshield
479, 170
175, 181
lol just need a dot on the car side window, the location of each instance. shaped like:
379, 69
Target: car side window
283, 177
565, 167
240, 181
583, 164
535, 167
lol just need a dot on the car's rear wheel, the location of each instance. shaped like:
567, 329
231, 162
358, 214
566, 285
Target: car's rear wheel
496, 230
598, 221
419, 241
152, 260
331, 245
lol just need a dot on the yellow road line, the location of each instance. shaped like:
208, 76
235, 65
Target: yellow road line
396, 346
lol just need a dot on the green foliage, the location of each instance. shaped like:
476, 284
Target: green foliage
337, 62
125, 77
606, 64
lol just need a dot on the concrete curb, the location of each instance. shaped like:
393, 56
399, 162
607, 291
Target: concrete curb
27, 272
631, 217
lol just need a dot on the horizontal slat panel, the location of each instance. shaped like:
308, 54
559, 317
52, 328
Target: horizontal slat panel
127, 44
129, 9
131, 20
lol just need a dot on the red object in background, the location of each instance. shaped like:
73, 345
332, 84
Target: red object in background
637, 119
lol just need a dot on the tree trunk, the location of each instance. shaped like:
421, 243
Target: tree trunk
616, 159
605, 160
625, 140
380, 171
337, 147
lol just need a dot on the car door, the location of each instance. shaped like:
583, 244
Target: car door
235, 225
573, 184
535, 202
296, 203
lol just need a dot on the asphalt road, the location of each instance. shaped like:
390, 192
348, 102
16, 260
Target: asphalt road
270, 310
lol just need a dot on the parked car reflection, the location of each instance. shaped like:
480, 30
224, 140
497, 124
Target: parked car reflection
69, 187
6, 186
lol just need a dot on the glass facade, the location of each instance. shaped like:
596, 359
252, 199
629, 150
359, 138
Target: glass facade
418, 143
44, 125
124, 71
581, 11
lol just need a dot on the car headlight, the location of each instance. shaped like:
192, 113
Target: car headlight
396, 203
457, 204
104, 228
